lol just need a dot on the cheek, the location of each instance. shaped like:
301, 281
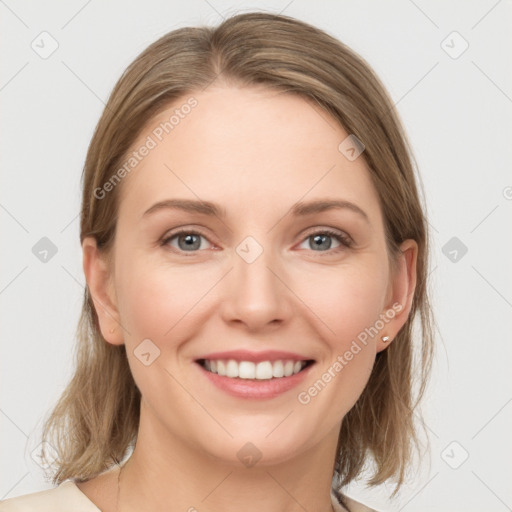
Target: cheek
350, 306
348, 299
158, 303
153, 300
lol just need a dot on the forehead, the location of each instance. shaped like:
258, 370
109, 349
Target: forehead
244, 148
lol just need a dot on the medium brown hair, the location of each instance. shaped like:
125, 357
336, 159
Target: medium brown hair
96, 420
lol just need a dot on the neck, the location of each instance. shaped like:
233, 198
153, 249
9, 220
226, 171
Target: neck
165, 473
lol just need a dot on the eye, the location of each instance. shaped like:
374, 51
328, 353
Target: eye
187, 241
191, 241
321, 241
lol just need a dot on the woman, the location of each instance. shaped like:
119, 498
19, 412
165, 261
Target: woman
255, 253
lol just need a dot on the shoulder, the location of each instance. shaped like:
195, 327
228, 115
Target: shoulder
58, 499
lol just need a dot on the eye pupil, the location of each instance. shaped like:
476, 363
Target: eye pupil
191, 242
321, 239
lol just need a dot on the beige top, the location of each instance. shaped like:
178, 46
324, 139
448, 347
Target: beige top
67, 497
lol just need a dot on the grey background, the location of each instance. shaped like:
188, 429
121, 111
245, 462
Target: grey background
456, 108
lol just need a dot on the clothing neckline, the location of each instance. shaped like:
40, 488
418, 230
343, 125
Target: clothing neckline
71, 485
336, 497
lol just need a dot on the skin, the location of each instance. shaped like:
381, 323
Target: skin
255, 153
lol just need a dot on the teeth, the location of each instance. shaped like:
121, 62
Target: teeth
288, 368
248, 370
278, 369
231, 369
264, 370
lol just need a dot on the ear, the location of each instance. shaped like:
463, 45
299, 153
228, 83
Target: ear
400, 293
100, 284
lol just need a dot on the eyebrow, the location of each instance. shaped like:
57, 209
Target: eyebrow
298, 209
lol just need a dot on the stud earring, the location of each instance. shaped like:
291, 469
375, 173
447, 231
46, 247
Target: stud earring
112, 330
385, 339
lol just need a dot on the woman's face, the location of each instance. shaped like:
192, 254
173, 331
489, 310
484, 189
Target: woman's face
258, 272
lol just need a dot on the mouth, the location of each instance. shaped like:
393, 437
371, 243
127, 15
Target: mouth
249, 370
255, 380
245, 374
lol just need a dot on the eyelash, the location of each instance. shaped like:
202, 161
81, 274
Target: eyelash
345, 241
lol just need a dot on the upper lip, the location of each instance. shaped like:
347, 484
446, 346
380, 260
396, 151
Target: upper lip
255, 357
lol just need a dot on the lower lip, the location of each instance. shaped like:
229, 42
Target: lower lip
256, 388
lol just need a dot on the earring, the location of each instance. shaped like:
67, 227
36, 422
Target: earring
385, 339
112, 330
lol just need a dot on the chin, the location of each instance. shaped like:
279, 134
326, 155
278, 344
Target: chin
256, 449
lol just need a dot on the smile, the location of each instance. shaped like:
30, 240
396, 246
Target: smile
263, 370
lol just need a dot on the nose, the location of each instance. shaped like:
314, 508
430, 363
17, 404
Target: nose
255, 294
